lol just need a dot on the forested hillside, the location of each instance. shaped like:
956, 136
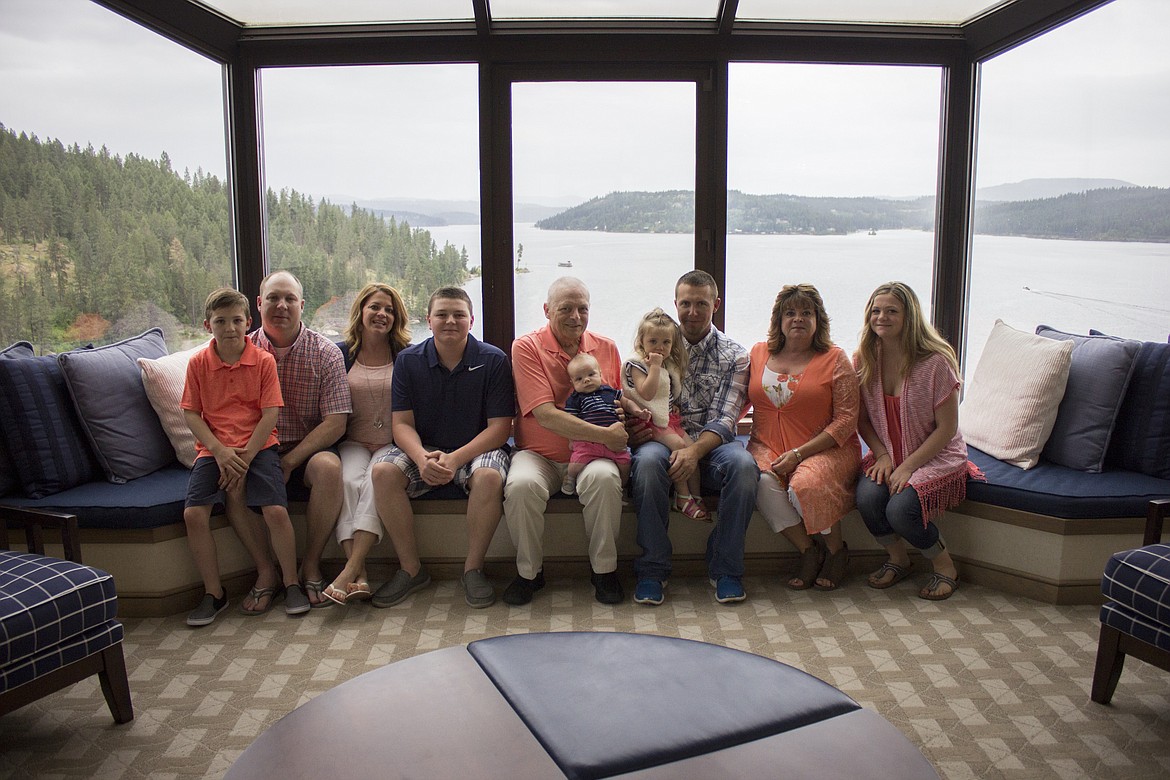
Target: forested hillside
95, 247
1113, 214
673, 211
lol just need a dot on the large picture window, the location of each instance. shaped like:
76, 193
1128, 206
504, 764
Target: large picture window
372, 175
819, 192
113, 200
604, 178
1065, 233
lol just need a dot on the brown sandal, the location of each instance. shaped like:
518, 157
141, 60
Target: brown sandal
900, 573
834, 568
931, 591
810, 563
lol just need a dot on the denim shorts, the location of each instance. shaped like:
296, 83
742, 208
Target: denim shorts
263, 484
497, 459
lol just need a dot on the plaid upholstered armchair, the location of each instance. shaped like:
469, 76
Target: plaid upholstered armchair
1136, 618
57, 623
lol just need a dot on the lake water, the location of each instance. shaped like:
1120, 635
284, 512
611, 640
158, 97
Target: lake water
1115, 287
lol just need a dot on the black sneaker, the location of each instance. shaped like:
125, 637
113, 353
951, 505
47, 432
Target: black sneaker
521, 590
607, 588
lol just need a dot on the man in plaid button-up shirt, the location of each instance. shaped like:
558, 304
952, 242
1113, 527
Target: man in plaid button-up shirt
713, 396
316, 409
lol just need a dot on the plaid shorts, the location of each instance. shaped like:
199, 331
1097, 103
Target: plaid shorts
497, 459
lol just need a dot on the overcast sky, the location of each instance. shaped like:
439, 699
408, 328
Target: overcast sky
1089, 100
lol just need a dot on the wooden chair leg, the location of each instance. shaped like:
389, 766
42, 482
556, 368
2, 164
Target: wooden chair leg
1110, 659
115, 684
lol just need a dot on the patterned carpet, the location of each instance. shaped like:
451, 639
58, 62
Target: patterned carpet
986, 685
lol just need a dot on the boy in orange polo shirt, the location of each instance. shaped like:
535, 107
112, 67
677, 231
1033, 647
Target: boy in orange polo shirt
231, 401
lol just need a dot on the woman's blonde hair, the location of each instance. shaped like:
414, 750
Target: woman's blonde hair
791, 295
919, 338
399, 332
676, 361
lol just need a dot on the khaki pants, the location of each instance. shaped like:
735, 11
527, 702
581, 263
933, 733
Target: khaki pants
532, 479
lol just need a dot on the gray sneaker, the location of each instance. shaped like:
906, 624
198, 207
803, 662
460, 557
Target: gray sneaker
207, 610
400, 586
477, 590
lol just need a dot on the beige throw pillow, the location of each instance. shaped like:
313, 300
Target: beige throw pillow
163, 379
1010, 404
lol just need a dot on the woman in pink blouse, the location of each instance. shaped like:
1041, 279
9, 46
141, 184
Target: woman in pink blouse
378, 330
917, 465
803, 391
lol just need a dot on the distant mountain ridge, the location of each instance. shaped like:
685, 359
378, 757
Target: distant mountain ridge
1109, 214
1035, 189
421, 212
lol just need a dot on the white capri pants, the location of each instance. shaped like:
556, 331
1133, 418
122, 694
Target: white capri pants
358, 512
779, 505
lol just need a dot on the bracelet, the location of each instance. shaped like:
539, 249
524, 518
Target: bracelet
796, 452
883, 455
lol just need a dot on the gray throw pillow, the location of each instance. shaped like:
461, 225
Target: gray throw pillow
1097, 379
106, 386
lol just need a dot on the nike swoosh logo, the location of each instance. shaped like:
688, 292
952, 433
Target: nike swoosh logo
472, 368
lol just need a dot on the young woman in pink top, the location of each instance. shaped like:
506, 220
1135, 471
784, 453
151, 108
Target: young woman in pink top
917, 465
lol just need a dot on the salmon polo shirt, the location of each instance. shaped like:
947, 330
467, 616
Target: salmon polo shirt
541, 373
231, 398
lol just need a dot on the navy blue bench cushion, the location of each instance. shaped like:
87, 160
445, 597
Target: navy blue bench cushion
1137, 583
1049, 489
46, 601
147, 502
603, 704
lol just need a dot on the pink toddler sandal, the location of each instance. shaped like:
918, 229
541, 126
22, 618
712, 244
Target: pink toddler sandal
691, 507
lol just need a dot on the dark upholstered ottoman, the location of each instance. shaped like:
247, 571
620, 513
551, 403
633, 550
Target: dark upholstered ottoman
583, 705
1136, 618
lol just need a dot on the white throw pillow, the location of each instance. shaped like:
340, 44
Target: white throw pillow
1010, 404
163, 379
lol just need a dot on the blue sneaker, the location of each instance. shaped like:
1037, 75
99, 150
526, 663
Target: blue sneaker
728, 589
649, 592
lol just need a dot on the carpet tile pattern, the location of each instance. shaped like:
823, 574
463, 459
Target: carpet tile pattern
987, 685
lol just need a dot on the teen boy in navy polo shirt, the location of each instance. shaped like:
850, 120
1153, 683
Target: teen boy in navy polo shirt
452, 403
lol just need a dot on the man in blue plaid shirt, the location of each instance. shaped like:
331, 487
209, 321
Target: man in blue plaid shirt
713, 396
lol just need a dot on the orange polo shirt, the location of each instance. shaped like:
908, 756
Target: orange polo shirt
540, 369
231, 398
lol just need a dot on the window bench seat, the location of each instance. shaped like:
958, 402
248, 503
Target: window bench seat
1042, 533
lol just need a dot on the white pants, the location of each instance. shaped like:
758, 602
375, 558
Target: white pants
358, 512
777, 504
532, 479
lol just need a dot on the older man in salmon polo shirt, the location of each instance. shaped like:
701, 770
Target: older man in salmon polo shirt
543, 429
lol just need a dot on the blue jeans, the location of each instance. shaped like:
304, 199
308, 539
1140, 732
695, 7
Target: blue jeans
889, 517
729, 470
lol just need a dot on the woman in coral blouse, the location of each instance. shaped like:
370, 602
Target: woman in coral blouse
917, 465
803, 391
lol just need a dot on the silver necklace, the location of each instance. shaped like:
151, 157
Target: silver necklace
378, 421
